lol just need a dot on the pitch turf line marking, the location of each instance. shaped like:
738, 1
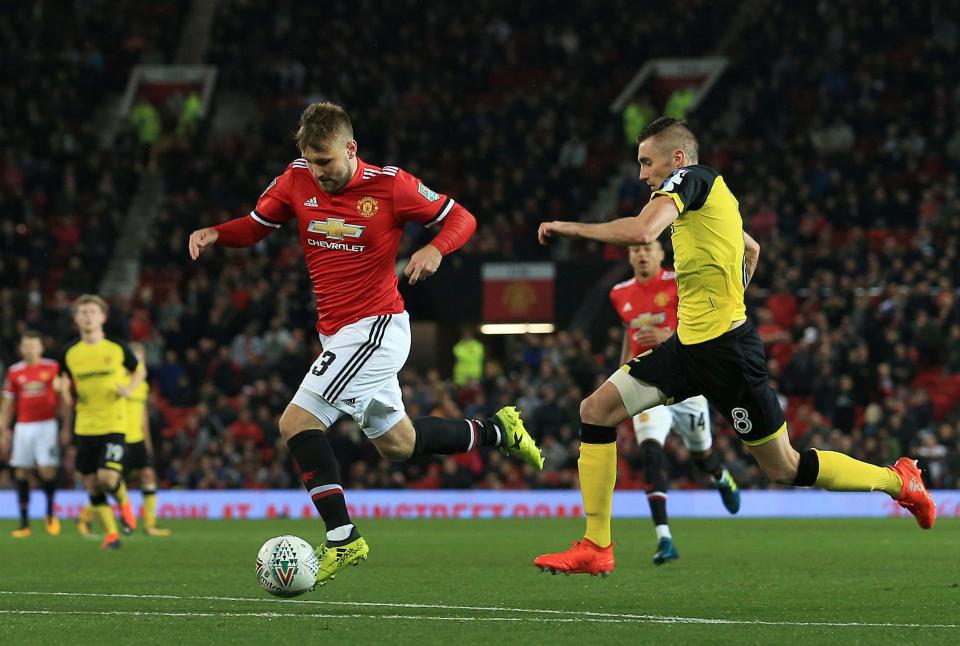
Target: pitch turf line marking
580, 616
543, 620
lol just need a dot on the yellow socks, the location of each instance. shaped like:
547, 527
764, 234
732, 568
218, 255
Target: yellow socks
120, 493
105, 514
598, 475
839, 472
150, 508
86, 514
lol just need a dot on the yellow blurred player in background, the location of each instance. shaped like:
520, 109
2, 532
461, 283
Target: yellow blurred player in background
104, 372
138, 463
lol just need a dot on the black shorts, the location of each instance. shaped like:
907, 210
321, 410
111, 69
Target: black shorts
730, 371
137, 457
100, 452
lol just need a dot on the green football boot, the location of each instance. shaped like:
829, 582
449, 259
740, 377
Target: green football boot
334, 559
517, 441
729, 492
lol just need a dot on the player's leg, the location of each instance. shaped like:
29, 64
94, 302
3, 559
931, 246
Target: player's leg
446, 436
691, 421
23, 461
148, 485
22, 478
48, 459
737, 363
107, 481
651, 428
639, 385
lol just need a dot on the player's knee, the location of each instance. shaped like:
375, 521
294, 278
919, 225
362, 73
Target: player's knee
593, 410
107, 480
292, 422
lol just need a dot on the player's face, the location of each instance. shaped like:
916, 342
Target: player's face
645, 259
334, 164
657, 162
89, 318
31, 349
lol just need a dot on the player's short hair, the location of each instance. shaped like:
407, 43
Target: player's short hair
672, 133
31, 334
321, 121
85, 299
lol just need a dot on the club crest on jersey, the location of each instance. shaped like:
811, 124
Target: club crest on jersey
432, 196
648, 319
312, 202
335, 228
661, 299
367, 207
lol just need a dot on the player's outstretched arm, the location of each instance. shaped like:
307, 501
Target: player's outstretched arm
201, 239
641, 229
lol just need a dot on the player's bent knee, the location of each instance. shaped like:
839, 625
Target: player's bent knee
295, 420
598, 409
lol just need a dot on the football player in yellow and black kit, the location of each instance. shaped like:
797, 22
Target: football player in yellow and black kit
138, 461
715, 351
100, 369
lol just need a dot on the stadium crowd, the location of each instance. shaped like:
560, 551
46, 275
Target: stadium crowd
844, 158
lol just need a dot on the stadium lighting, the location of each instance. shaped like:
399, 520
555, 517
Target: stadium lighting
516, 328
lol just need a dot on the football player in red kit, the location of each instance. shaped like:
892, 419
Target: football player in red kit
33, 390
350, 217
647, 305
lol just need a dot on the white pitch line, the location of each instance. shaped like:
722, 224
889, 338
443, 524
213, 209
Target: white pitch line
578, 615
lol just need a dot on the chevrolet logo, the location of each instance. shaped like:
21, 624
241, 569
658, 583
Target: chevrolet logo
335, 228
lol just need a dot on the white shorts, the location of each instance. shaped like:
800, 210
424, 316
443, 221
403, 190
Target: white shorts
690, 419
356, 374
35, 445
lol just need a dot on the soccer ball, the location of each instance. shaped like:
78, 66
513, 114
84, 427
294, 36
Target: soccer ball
287, 566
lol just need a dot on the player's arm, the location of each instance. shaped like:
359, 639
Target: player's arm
625, 346
456, 229
138, 372
751, 255
414, 201
656, 216
147, 440
65, 408
6, 416
271, 212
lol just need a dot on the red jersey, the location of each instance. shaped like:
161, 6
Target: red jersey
32, 387
652, 303
350, 238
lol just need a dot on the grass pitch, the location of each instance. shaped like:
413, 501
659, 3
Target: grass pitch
433, 582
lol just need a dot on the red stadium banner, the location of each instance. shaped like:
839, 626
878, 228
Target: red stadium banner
516, 292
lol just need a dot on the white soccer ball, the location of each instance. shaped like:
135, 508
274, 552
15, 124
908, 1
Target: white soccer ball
287, 566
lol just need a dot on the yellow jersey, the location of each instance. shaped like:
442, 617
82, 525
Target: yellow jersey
708, 253
136, 405
97, 370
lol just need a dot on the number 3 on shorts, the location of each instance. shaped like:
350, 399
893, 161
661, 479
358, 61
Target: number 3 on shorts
325, 360
741, 421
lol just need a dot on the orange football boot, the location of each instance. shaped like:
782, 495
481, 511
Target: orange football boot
914, 496
111, 542
126, 513
583, 557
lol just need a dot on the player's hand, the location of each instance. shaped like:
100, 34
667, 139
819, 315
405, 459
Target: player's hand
124, 391
652, 336
201, 239
4, 445
556, 228
65, 437
423, 264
